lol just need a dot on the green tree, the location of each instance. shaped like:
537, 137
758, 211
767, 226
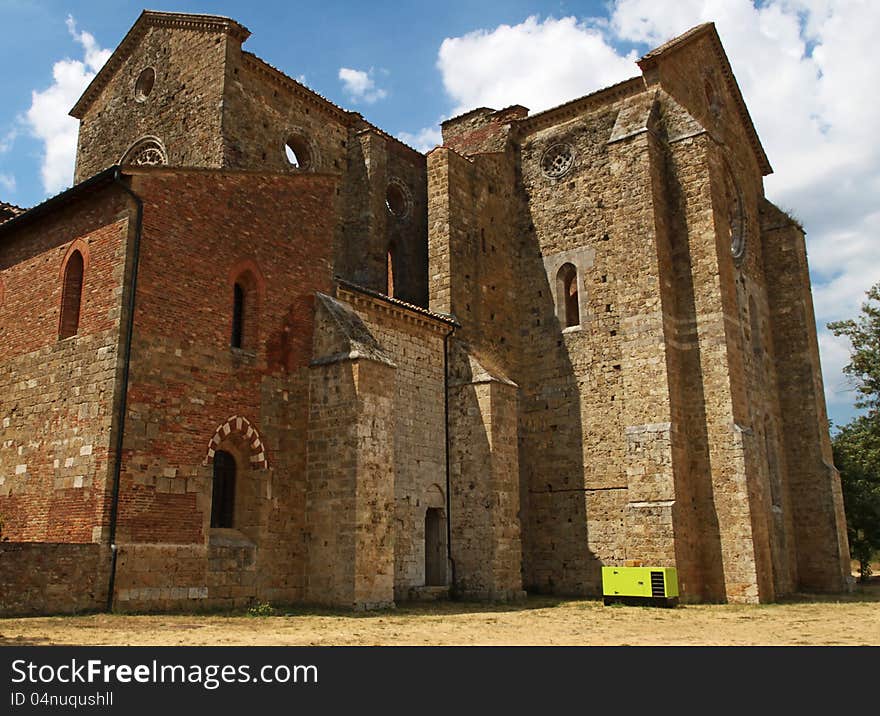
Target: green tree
856, 453
864, 365
857, 444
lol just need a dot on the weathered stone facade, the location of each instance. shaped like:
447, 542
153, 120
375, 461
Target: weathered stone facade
263, 351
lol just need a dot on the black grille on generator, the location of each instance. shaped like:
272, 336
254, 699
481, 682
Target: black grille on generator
657, 587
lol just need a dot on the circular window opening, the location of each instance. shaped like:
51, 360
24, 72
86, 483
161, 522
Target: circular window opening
396, 200
296, 149
557, 160
144, 85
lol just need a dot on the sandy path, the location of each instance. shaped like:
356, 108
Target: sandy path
849, 620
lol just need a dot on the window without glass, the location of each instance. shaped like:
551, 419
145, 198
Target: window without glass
71, 296
246, 299
389, 288
223, 490
396, 200
144, 84
296, 149
238, 299
567, 304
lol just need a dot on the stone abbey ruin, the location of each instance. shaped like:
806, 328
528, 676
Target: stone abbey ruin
262, 351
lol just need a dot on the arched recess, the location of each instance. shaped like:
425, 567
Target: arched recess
146, 151
567, 300
242, 428
755, 328
72, 276
300, 150
246, 296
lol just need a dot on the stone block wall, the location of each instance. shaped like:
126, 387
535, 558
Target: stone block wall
813, 484
182, 110
415, 343
473, 242
484, 484
52, 578
593, 392
350, 500
57, 395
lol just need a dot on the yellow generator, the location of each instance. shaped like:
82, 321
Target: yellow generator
657, 586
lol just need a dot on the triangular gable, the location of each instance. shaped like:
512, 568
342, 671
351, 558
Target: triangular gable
148, 19
652, 62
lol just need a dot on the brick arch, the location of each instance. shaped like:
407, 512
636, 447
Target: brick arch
246, 277
75, 245
248, 266
242, 427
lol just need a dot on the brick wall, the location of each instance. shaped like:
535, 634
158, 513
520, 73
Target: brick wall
191, 393
57, 396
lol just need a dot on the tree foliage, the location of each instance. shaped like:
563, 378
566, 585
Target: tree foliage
864, 365
857, 444
857, 456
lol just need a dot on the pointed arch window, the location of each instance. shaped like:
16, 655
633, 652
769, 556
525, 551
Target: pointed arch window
245, 310
567, 301
71, 296
238, 301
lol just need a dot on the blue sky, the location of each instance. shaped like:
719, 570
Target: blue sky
408, 65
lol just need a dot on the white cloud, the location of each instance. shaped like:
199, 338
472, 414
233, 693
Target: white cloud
805, 72
537, 63
360, 85
424, 139
839, 391
47, 118
7, 140
7, 183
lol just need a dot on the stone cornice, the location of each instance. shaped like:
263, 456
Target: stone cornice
359, 296
575, 107
258, 64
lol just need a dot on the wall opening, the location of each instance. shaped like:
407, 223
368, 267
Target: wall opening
223, 490
435, 555
389, 283
245, 311
567, 302
144, 84
71, 296
395, 200
772, 463
238, 300
296, 149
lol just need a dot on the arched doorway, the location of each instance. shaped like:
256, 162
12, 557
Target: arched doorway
435, 557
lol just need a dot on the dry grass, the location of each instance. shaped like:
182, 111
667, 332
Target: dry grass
852, 619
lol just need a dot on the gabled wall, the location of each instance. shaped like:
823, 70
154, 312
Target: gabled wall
183, 110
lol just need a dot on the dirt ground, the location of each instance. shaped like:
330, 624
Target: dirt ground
851, 619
